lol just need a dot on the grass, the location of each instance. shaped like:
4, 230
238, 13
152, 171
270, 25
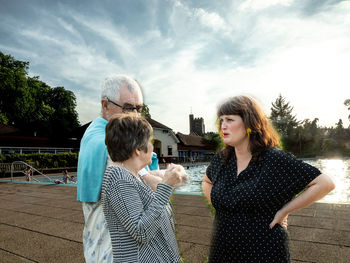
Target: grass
211, 207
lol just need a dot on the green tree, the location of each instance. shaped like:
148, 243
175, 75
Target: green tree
339, 133
285, 123
31, 105
282, 117
64, 119
15, 99
347, 104
214, 138
309, 138
145, 112
3, 118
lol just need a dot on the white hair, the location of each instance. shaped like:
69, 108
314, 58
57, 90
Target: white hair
111, 86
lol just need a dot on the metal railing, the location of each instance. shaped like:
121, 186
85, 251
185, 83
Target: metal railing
26, 165
27, 150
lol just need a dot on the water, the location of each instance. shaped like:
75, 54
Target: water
338, 169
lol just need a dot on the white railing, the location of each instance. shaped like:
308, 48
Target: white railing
21, 150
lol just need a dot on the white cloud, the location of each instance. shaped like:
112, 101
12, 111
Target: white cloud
262, 4
210, 19
203, 57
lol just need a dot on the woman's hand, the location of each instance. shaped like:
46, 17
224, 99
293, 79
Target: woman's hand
316, 189
174, 175
280, 218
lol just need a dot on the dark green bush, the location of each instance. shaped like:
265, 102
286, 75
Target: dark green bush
43, 160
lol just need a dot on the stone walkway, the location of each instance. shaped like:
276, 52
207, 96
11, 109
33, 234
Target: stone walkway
43, 223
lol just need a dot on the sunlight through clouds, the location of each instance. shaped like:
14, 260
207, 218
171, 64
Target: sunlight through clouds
211, 20
189, 54
258, 4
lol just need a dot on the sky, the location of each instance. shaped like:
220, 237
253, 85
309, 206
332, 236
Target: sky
189, 56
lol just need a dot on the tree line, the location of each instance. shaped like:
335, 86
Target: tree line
306, 138
32, 106
35, 108
302, 138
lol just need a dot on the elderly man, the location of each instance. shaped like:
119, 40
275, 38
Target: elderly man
119, 94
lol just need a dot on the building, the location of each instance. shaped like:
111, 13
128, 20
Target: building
194, 148
165, 141
13, 140
196, 126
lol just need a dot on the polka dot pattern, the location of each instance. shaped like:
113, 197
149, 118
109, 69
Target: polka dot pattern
246, 204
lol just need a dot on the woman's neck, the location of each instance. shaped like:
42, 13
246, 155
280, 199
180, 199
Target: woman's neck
243, 152
129, 165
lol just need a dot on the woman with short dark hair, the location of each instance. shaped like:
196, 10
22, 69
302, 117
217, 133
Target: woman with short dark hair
139, 220
253, 186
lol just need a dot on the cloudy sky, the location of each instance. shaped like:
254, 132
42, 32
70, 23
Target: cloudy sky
189, 55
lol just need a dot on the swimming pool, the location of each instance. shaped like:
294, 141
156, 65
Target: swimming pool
338, 169
55, 179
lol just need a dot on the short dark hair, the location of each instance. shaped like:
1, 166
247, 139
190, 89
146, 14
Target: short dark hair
126, 133
262, 136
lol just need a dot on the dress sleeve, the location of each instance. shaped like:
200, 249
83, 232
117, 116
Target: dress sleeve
292, 174
213, 167
127, 205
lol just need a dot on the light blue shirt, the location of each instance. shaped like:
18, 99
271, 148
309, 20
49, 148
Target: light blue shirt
92, 162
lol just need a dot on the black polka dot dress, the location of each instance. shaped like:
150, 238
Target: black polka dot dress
246, 204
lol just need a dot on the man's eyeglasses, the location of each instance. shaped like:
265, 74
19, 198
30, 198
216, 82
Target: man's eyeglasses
128, 107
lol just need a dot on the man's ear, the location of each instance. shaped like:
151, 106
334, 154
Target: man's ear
104, 104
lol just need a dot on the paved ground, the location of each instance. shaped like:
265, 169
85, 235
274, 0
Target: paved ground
43, 223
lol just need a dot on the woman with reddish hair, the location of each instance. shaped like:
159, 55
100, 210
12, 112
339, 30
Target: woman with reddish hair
253, 186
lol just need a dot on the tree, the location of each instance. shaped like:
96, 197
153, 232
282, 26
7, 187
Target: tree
214, 138
3, 118
309, 139
64, 118
285, 123
145, 112
33, 106
15, 99
347, 103
282, 117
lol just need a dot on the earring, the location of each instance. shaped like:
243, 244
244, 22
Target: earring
248, 132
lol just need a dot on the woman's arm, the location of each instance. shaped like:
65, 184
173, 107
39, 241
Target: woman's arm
317, 189
153, 177
206, 187
126, 203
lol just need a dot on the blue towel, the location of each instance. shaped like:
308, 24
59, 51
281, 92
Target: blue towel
154, 165
92, 161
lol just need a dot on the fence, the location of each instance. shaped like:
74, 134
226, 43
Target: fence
19, 167
26, 150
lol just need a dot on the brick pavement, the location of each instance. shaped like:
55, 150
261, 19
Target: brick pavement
43, 223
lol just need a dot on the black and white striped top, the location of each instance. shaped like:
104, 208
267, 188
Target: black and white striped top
140, 221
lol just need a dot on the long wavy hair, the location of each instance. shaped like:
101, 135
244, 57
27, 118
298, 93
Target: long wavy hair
262, 135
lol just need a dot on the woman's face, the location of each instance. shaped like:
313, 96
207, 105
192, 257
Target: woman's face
233, 130
147, 156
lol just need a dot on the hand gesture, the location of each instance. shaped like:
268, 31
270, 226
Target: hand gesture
280, 218
174, 175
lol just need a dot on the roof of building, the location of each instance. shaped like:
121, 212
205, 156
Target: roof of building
191, 140
156, 124
7, 129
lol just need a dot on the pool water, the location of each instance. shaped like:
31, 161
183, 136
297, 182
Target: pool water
338, 169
